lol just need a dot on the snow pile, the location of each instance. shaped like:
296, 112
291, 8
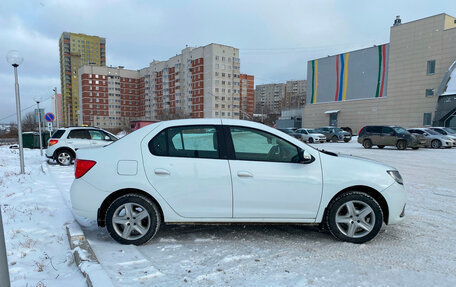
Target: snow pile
451, 85
34, 218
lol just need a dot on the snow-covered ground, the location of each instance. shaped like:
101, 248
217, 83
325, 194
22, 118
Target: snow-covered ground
419, 252
34, 217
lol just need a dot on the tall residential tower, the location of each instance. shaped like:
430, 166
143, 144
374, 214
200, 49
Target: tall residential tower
76, 50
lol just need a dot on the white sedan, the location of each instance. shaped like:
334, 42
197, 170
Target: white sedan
230, 171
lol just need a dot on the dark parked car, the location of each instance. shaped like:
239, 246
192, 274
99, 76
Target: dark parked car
334, 134
382, 136
292, 132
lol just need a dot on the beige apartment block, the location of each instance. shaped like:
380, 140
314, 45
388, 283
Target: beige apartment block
201, 82
420, 53
268, 98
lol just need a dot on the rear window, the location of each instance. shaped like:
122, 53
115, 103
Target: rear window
57, 134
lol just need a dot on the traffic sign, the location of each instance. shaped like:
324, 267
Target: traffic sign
49, 117
49, 127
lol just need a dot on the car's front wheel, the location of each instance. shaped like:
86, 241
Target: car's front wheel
436, 144
132, 219
354, 217
311, 140
334, 139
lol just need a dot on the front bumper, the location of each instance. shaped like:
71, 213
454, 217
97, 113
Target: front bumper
396, 198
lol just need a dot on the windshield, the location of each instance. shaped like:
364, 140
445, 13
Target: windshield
399, 130
431, 132
312, 131
450, 130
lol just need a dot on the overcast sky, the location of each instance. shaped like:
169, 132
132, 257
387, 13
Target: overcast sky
275, 38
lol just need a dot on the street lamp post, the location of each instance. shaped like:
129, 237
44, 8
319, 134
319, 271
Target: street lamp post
15, 59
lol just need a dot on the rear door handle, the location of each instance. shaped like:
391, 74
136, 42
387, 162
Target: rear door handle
244, 174
160, 171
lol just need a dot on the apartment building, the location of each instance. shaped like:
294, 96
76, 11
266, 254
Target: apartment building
110, 97
268, 98
76, 50
247, 96
295, 95
201, 82
401, 83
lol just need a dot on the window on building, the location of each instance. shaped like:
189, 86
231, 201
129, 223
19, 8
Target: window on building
427, 119
429, 92
431, 67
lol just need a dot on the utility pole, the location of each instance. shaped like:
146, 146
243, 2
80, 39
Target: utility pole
4, 273
39, 126
56, 108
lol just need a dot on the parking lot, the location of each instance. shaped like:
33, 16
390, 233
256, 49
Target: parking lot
418, 252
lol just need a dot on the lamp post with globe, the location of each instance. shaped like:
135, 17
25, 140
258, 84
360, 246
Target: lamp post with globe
15, 59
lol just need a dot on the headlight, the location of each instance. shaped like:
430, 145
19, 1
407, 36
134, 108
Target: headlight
396, 175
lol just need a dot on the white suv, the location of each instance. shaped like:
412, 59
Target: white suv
64, 142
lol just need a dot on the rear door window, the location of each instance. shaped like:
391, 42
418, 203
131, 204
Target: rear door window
57, 134
79, 134
187, 141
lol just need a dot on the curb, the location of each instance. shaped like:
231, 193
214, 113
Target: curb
85, 258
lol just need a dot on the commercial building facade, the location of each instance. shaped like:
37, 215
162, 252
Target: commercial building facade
76, 50
247, 96
390, 84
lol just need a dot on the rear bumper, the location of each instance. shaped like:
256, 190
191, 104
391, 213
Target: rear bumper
396, 198
86, 199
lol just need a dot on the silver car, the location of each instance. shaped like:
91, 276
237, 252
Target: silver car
433, 138
311, 136
449, 132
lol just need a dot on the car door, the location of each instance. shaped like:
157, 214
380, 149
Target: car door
268, 180
374, 133
388, 137
184, 164
97, 138
78, 138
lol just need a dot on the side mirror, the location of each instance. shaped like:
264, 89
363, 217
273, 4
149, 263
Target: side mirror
305, 157
107, 138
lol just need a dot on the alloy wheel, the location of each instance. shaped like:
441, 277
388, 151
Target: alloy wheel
131, 221
355, 219
64, 158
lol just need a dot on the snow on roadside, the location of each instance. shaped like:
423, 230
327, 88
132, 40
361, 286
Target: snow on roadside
34, 219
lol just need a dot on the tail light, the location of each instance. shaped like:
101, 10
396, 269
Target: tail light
82, 166
359, 133
53, 142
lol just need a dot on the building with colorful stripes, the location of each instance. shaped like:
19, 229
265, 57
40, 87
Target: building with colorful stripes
389, 84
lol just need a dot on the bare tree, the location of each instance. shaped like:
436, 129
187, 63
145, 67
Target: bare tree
29, 122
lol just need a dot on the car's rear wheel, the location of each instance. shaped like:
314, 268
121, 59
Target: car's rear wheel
354, 217
367, 143
436, 144
132, 219
380, 146
347, 140
401, 145
64, 157
311, 140
334, 139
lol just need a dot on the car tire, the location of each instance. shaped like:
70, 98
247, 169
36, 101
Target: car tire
401, 145
436, 144
64, 157
132, 219
347, 140
354, 217
311, 140
415, 148
367, 143
380, 146
334, 139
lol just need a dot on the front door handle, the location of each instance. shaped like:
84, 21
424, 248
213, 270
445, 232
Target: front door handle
160, 171
244, 174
